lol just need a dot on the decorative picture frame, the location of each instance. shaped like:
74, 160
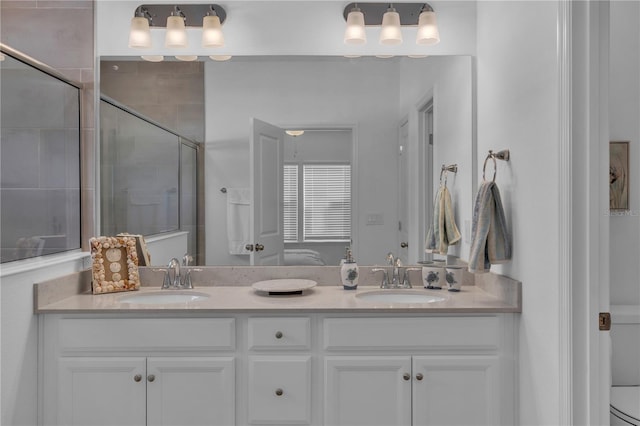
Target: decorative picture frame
619, 175
115, 264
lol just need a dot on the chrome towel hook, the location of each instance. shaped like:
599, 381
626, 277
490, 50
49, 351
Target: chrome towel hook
443, 171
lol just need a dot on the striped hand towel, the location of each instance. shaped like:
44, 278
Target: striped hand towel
490, 239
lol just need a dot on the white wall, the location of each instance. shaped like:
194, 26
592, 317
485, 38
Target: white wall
624, 110
450, 81
518, 109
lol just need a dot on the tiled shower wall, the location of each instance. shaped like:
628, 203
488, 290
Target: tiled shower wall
60, 34
170, 93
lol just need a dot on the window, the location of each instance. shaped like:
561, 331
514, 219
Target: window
325, 202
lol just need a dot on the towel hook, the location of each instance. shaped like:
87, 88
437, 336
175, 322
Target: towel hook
500, 155
451, 168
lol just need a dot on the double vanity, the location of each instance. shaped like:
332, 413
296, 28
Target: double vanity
225, 354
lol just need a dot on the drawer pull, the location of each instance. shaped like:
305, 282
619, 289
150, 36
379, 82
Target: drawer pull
151, 377
279, 334
406, 376
137, 377
419, 376
279, 392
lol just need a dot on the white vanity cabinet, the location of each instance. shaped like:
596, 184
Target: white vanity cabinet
153, 391
137, 371
441, 370
270, 368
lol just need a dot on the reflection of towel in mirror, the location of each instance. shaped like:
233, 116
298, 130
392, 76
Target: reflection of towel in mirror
443, 231
490, 239
238, 212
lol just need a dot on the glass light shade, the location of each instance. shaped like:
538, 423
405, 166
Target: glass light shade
294, 133
352, 56
220, 58
354, 33
212, 32
2, 57
417, 56
176, 33
391, 33
186, 58
153, 58
139, 34
427, 29
384, 56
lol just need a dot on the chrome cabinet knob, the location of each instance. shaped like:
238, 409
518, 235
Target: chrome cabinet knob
419, 376
151, 377
279, 334
137, 377
404, 244
279, 392
406, 376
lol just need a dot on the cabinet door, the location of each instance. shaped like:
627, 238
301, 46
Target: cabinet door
279, 390
190, 391
101, 391
456, 390
367, 390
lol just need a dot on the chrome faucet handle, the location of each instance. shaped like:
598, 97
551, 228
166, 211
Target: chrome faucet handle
175, 265
166, 281
385, 277
187, 283
187, 260
406, 282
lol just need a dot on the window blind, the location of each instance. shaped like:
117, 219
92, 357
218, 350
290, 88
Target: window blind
326, 201
290, 202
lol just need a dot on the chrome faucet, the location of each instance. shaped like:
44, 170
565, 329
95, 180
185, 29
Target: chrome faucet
395, 269
186, 281
174, 264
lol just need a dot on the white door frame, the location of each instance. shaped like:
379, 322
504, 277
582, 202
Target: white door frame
584, 228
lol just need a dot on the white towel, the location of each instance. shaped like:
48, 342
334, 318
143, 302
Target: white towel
238, 214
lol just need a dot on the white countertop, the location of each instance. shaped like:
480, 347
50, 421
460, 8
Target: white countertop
231, 299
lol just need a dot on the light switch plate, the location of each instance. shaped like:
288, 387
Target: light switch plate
375, 219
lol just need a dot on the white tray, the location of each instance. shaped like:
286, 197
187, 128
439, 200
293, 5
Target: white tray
284, 286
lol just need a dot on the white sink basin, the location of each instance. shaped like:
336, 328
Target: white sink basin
398, 296
164, 297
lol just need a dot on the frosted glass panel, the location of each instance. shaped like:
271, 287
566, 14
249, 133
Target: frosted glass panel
40, 163
139, 175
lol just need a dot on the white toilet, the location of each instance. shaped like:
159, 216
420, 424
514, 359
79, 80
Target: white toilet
625, 388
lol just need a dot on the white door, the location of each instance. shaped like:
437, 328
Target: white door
267, 181
190, 391
403, 200
102, 391
456, 390
367, 391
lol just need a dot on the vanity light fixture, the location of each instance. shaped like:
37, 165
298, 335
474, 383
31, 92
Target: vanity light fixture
428, 33
187, 58
354, 33
153, 58
176, 36
209, 17
220, 58
391, 18
212, 30
294, 133
139, 34
391, 33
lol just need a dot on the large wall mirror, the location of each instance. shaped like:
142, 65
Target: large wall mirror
363, 173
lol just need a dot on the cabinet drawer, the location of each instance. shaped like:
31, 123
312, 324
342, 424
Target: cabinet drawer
279, 333
279, 390
130, 334
478, 332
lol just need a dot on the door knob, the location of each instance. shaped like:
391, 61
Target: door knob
249, 247
259, 247
279, 392
404, 244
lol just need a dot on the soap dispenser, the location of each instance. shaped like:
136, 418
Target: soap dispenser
349, 272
